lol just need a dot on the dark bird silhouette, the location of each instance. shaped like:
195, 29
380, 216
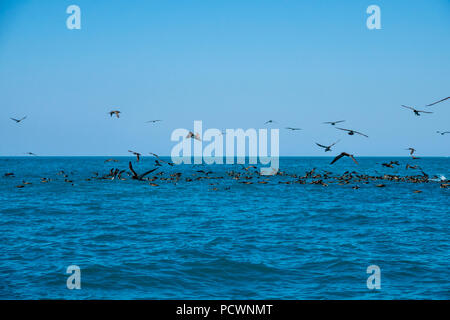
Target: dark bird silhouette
30, 153
293, 129
411, 150
327, 148
153, 121
137, 154
269, 121
352, 132
135, 176
155, 155
431, 104
195, 136
18, 120
442, 133
116, 112
416, 112
344, 154
334, 122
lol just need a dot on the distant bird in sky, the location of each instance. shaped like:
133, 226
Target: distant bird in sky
344, 154
334, 122
18, 120
30, 153
137, 154
411, 150
293, 129
416, 112
327, 148
116, 112
270, 121
135, 176
195, 136
428, 105
153, 121
352, 132
442, 133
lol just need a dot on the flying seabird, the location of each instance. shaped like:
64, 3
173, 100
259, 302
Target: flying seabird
437, 101
416, 112
270, 121
137, 154
352, 132
30, 154
18, 120
135, 176
334, 122
442, 133
153, 121
155, 155
344, 154
116, 112
195, 136
293, 129
411, 150
327, 148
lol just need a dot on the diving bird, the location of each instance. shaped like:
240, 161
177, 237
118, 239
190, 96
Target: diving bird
344, 154
116, 112
135, 176
334, 122
442, 133
352, 132
293, 129
416, 112
153, 121
327, 148
18, 120
437, 101
195, 136
137, 154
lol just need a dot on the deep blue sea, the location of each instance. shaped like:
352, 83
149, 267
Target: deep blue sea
220, 238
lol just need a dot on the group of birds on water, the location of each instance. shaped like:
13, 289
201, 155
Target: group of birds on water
246, 176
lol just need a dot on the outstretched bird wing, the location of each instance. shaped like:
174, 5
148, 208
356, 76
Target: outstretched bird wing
353, 159
408, 107
146, 173
361, 134
338, 157
437, 101
131, 169
424, 111
335, 143
322, 146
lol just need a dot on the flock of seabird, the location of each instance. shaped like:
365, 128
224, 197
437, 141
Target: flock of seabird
246, 176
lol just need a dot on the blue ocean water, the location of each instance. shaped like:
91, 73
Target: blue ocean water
219, 238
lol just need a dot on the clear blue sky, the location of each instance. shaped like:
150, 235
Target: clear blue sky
232, 64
